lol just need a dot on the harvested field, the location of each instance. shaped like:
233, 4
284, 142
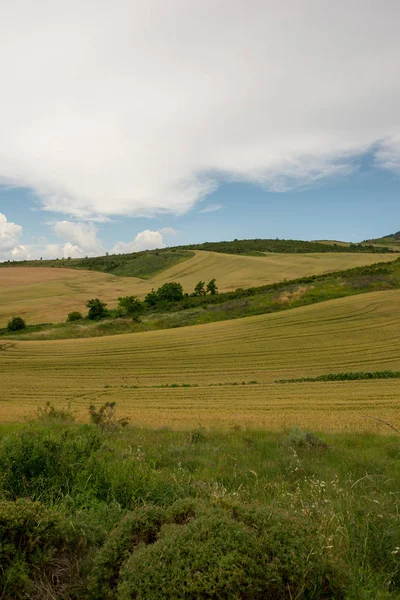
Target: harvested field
46, 295
359, 333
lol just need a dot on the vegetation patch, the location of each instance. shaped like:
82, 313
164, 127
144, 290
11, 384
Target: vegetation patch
123, 513
345, 376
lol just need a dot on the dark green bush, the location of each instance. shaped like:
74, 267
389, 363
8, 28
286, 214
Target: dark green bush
97, 309
39, 551
16, 324
74, 316
198, 549
138, 527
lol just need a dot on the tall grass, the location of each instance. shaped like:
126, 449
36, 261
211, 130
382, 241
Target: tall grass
336, 496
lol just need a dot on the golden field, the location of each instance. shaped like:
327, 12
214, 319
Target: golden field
43, 294
357, 333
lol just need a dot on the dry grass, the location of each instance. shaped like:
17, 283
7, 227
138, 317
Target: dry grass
48, 294
351, 334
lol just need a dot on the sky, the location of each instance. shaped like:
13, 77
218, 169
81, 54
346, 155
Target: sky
143, 124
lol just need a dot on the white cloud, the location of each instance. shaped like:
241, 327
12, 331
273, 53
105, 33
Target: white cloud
168, 231
145, 240
211, 208
138, 108
9, 234
83, 235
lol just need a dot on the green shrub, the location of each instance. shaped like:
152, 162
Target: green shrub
50, 413
199, 549
105, 417
16, 324
74, 316
38, 551
138, 527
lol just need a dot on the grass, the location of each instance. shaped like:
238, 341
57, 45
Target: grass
205, 505
357, 333
49, 294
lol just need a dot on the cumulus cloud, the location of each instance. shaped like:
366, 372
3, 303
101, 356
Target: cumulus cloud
9, 234
139, 108
81, 237
145, 240
211, 208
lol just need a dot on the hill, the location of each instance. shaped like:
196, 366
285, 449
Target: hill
224, 374
47, 294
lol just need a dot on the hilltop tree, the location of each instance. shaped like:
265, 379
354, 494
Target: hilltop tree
212, 288
200, 289
97, 309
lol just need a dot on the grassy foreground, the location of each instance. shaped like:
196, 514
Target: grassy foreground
135, 513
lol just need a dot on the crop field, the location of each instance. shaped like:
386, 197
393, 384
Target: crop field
224, 374
47, 295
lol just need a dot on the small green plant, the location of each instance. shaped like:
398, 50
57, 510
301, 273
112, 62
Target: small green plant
16, 324
74, 316
105, 417
50, 413
305, 439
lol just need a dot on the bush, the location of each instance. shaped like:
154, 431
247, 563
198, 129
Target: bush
16, 324
199, 549
74, 316
130, 305
105, 417
38, 551
140, 526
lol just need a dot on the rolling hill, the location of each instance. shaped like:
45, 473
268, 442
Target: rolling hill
48, 294
195, 375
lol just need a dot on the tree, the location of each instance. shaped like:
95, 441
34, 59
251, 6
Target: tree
212, 288
130, 305
200, 289
97, 309
151, 299
16, 324
170, 292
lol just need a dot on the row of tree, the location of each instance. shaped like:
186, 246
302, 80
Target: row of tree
165, 295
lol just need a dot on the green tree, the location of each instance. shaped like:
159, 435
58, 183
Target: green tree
97, 309
200, 289
16, 324
170, 292
212, 288
130, 305
151, 299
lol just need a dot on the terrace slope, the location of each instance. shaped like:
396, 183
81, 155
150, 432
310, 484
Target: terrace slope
42, 294
357, 333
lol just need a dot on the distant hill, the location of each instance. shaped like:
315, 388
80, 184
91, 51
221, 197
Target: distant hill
391, 241
148, 263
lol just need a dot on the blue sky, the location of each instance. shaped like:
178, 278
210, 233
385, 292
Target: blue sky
358, 206
122, 129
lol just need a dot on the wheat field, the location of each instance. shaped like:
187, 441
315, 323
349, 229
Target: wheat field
47, 295
357, 333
